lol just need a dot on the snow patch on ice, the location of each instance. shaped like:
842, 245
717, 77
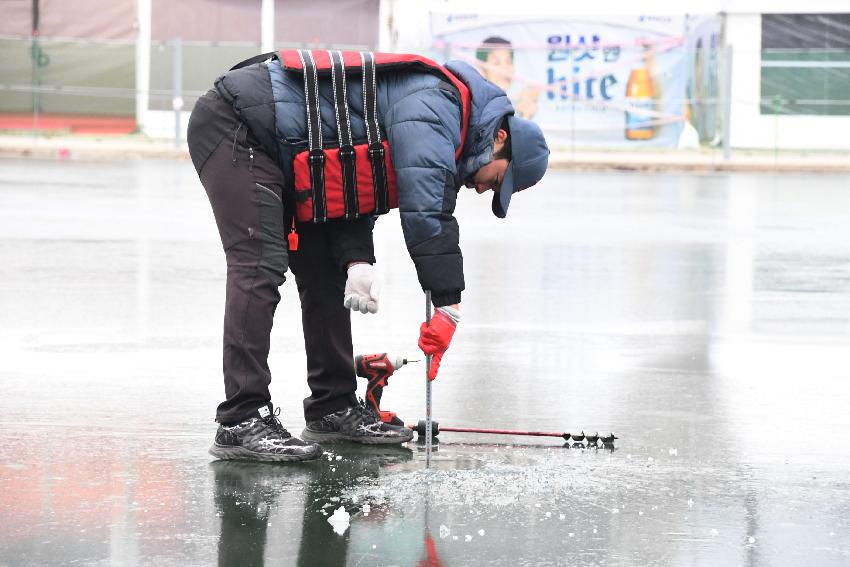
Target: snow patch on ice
340, 520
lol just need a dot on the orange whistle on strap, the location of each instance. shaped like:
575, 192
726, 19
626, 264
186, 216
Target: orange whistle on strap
293, 238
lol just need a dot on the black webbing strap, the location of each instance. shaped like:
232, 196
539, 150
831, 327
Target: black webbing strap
255, 59
373, 134
314, 134
343, 128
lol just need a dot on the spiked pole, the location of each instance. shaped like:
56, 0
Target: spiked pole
428, 440
589, 439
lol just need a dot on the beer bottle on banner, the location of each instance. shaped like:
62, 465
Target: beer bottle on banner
640, 95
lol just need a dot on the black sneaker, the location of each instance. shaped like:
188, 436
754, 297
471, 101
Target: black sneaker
261, 437
357, 424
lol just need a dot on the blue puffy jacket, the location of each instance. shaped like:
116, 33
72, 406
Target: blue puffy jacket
420, 116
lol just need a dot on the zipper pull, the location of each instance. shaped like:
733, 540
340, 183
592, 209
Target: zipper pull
293, 238
251, 159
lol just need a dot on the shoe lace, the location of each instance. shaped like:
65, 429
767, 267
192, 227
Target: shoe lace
274, 423
365, 410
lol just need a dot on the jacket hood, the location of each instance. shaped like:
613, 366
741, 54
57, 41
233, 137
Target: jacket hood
489, 105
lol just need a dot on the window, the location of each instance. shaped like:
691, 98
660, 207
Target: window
805, 64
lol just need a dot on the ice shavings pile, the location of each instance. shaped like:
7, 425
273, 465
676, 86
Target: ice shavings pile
559, 478
493, 485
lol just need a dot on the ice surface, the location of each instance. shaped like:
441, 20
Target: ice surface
703, 318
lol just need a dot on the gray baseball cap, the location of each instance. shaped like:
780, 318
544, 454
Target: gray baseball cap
529, 159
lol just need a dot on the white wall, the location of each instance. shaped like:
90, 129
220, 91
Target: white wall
159, 124
751, 129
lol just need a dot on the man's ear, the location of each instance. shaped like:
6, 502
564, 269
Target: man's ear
499, 141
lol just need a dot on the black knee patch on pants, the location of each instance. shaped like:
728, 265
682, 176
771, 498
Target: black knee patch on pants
273, 257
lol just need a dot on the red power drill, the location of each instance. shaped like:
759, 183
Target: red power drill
377, 369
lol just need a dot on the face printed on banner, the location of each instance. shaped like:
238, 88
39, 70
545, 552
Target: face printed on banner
498, 68
495, 57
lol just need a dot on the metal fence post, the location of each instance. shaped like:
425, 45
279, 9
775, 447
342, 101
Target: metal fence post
727, 104
177, 86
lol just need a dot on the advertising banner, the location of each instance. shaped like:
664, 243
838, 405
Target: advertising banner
630, 81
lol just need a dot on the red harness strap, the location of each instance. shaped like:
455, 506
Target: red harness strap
341, 179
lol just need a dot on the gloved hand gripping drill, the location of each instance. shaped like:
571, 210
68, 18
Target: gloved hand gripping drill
377, 369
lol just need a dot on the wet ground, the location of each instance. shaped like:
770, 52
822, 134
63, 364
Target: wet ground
703, 319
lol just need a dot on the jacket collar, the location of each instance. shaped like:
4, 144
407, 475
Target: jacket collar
489, 105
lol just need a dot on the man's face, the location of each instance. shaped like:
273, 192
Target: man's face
489, 176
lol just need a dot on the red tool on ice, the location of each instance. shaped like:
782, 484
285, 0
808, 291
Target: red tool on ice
377, 369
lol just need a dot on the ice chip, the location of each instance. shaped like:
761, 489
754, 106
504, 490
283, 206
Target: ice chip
467, 537
561, 516
339, 457
674, 452
751, 539
444, 531
339, 520
615, 511
481, 532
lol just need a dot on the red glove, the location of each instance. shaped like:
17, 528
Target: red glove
435, 337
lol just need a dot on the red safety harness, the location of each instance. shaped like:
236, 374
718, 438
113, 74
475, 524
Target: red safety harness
341, 179
338, 179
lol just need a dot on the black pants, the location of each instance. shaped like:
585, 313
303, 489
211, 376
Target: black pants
245, 189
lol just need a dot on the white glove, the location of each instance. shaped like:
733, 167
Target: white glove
362, 289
